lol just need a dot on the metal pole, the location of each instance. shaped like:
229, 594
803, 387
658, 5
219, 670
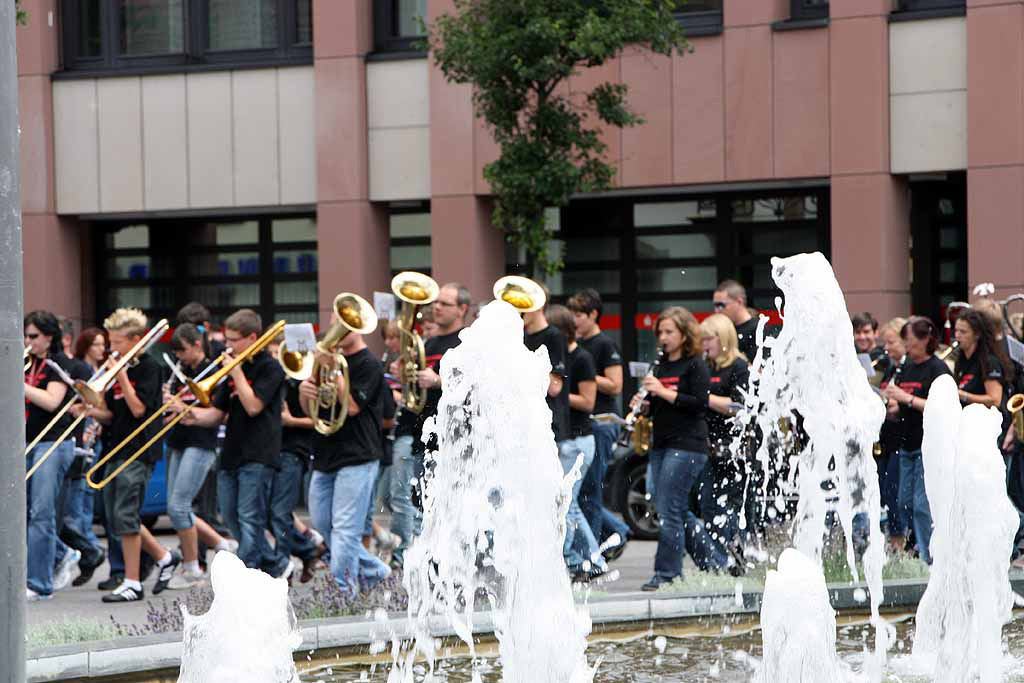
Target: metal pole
12, 416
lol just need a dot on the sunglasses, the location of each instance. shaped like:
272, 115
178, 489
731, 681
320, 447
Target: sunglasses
720, 304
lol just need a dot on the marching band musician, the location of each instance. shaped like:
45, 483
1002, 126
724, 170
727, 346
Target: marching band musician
251, 400
888, 461
678, 394
345, 466
134, 395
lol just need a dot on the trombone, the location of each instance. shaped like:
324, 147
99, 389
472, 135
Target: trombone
414, 290
200, 386
354, 315
91, 392
521, 293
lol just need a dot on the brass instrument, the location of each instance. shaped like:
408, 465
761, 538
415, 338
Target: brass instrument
639, 426
201, 388
414, 290
948, 351
521, 293
27, 358
354, 315
1016, 407
945, 353
92, 391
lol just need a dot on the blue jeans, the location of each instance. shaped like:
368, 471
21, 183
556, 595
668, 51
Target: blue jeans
890, 494
914, 498
285, 491
78, 510
591, 499
186, 472
405, 518
43, 490
677, 473
337, 504
580, 544
244, 495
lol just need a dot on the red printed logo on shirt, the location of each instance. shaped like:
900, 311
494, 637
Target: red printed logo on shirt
669, 382
966, 379
434, 361
119, 393
716, 380
231, 385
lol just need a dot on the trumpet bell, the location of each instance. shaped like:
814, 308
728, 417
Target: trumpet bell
415, 288
297, 365
521, 293
355, 313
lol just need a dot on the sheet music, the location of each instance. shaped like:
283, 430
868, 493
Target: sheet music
300, 337
1016, 349
638, 369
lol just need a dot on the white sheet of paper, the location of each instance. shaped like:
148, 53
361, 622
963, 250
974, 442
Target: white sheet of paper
300, 337
384, 305
1016, 350
638, 369
865, 361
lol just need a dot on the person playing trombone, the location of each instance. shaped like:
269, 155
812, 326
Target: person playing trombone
45, 394
134, 396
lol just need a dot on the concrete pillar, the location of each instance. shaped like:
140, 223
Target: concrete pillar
54, 253
870, 208
352, 233
995, 145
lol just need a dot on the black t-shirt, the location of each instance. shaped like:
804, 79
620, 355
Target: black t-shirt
682, 424
295, 440
558, 351
970, 376
916, 379
190, 436
435, 348
40, 374
256, 438
606, 355
581, 369
746, 333
889, 434
729, 381
145, 379
359, 439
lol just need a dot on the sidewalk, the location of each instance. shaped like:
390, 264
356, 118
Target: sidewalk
635, 566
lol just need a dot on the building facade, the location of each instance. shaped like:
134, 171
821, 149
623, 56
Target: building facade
271, 153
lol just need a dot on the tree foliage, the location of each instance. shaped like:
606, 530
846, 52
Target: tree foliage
518, 55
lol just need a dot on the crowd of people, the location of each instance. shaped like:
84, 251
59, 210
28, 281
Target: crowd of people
239, 468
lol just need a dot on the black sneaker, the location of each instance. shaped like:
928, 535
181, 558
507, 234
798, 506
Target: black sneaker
166, 573
125, 593
112, 582
615, 552
88, 567
654, 583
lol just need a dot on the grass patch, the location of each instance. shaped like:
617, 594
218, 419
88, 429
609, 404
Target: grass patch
66, 632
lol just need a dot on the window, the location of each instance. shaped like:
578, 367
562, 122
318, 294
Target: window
808, 9
162, 35
924, 9
701, 17
265, 263
410, 239
396, 25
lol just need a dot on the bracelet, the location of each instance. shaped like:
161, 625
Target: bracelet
910, 403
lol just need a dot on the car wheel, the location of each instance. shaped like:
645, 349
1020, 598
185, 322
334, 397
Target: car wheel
636, 507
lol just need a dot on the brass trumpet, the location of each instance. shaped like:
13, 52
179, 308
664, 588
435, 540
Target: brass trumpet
1016, 407
522, 293
91, 392
414, 290
354, 315
201, 387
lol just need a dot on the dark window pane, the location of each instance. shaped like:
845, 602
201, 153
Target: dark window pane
90, 29
700, 6
673, 214
243, 24
304, 22
295, 261
220, 265
414, 257
767, 243
238, 233
410, 225
226, 295
576, 250
129, 237
293, 230
295, 292
130, 297
129, 268
571, 281
775, 209
409, 13
686, 279
295, 317
695, 245
151, 27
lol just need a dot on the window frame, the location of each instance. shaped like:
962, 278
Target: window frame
196, 54
798, 11
909, 10
386, 40
700, 23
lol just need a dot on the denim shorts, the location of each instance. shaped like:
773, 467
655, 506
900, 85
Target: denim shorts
122, 497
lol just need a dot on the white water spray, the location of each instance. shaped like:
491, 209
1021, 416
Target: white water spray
248, 634
811, 369
969, 598
494, 511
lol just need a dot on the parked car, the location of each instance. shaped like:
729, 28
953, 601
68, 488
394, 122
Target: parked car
625, 490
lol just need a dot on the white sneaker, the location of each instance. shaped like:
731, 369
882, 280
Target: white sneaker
65, 570
387, 540
316, 536
32, 596
184, 579
232, 546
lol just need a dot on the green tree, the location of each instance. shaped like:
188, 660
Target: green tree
516, 54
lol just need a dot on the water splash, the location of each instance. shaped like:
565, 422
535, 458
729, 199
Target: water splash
248, 634
494, 512
798, 650
968, 598
811, 373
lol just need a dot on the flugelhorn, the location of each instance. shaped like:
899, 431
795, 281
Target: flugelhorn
91, 392
522, 293
201, 387
354, 314
414, 290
